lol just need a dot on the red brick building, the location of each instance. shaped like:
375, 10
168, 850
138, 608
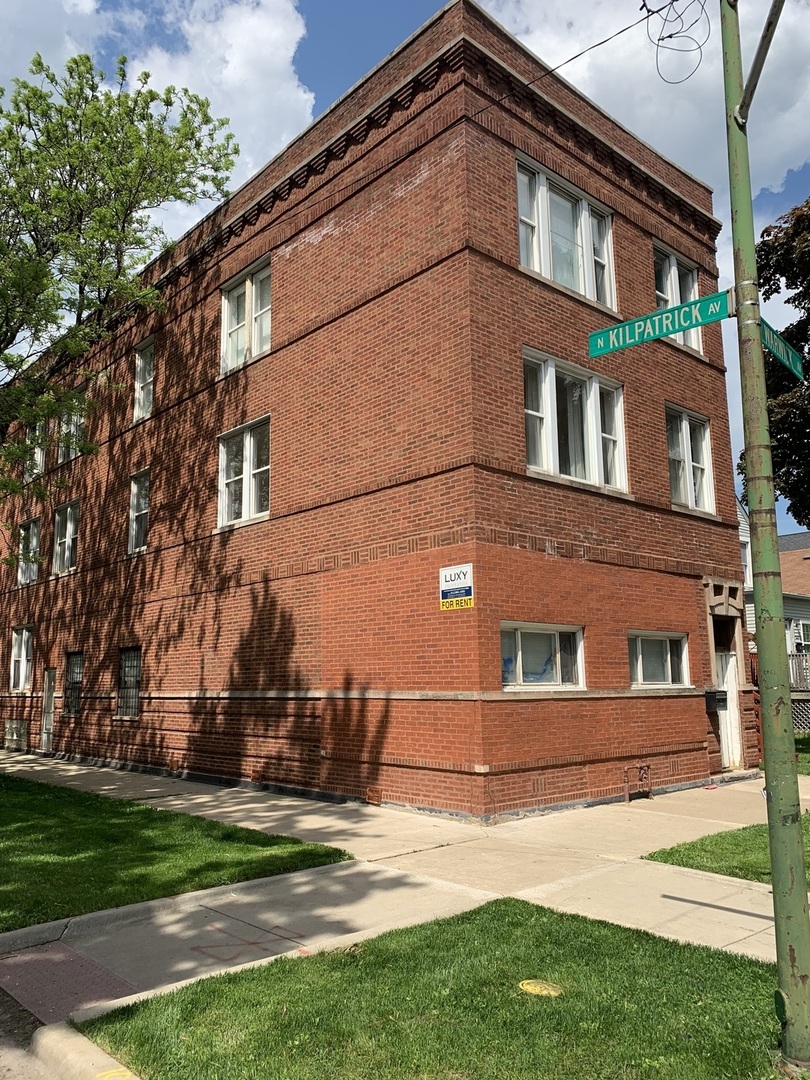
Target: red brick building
244, 581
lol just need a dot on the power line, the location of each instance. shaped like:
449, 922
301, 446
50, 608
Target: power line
292, 212
680, 32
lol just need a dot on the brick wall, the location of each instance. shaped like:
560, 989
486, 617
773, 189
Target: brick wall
307, 649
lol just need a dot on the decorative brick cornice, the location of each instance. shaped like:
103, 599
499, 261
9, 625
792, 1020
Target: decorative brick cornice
522, 97
378, 117
460, 54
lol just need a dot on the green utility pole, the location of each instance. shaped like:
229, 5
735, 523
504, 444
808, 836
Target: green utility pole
781, 786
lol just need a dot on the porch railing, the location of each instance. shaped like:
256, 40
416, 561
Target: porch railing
798, 665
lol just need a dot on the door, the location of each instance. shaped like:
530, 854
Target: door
729, 717
48, 689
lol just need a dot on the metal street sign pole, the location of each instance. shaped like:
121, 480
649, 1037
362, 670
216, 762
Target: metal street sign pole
789, 881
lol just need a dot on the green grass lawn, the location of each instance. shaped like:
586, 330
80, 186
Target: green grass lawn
741, 853
67, 852
442, 1002
803, 754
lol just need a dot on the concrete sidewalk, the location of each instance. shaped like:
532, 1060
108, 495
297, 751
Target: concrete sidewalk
410, 868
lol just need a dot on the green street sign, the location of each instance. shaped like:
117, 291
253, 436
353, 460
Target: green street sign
674, 320
778, 347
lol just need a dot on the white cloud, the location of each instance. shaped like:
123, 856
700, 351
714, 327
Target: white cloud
55, 28
79, 7
238, 53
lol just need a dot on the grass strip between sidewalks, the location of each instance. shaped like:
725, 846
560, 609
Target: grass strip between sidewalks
68, 852
442, 1002
803, 754
740, 853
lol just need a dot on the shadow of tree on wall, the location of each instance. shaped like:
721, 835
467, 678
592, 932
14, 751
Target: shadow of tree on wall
268, 724
226, 687
355, 727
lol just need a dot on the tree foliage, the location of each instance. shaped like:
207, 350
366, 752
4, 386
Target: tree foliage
83, 163
783, 262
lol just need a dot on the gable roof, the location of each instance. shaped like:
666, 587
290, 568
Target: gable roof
795, 541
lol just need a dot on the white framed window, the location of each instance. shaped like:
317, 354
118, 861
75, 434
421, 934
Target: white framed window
71, 433
244, 473
564, 236
801, 637
35, 463
690, 463
65, 538
574, 422
28, 564
138, 512
745, 558
246, 318
658, 659
144, 380
535, 657
676, 283
129, 683
22, 644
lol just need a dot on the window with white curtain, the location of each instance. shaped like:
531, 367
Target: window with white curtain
688, 448
246, 318
22, 644
574, 422
144, 380
658, 659
536, 657
28, 559
71, 433
676, 283
65, 538
138, 512
244, 473
563, 235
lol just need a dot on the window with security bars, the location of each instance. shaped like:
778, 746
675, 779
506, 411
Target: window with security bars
129, 684
74, 669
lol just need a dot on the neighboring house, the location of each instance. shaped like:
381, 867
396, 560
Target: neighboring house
369, 521
794, 560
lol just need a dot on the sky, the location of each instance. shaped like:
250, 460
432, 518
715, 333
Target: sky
272, 66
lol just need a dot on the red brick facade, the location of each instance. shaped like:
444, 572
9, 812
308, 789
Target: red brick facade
307, 649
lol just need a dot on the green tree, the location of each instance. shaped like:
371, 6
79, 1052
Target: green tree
783, 262
83, 163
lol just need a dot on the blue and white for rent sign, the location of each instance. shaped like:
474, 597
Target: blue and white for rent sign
456, 587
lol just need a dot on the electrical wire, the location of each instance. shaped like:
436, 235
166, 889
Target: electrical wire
291, 213
685, 28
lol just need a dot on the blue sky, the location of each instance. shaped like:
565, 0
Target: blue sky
367, 31
272, 66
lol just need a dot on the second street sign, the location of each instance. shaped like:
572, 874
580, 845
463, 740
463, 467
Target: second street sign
778, 347
664, 323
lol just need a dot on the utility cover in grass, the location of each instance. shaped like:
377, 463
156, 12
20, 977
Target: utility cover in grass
443, 1002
